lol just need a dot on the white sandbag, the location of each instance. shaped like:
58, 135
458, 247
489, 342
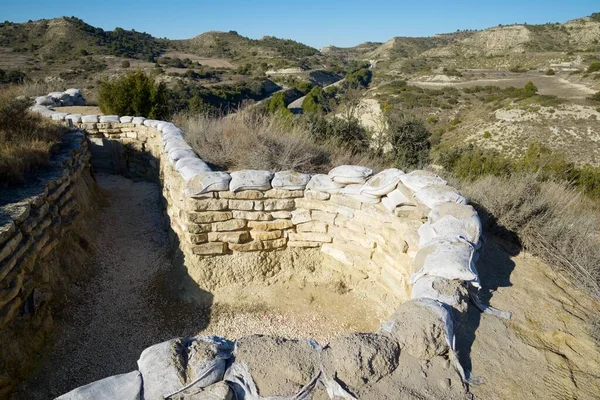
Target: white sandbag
161, 124
59, 116
177, 154
204, 182
449, 221
417, 180
138, 120
150, 123
192, 160
61, 97
172, 135
435, 195
324, 183
354, 191
160, 365
190, 170
125, 386
426, 288
73, 92
171, 129
176, 144
38, 108
45, 101
125, 119
450, 259
89, 118
75, 118
109, 118
290, 180
250, 179
383, 182
350, 174
167, 126
398, 197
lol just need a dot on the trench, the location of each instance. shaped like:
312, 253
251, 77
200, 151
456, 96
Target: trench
137, 296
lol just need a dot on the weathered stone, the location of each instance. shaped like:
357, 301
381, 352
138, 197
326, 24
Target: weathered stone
266, 235
10, 246
345, 201
327, 206
303, 243
197, 228
274, 205
197, 238
252, 215
270, 225
6, 231
310, 236
250, 246
243, 195
205, 217
349, 236
312, 226
229, 237
244, 205
281, 214
231, 225
338, 254
205, 204
301, 216
323, 216
210, 248
314, 195
284, 194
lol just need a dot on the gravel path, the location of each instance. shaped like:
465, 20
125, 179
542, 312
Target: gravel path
113, 317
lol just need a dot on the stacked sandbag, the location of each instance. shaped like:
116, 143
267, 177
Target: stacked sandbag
346, 174
176, 365
205, 182
125, 387
324, 183
290, 180
355, 191
434, 195
250, 179
451, 221
417, 180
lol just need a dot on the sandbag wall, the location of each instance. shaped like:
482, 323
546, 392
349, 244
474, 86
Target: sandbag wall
34, 220
409, 232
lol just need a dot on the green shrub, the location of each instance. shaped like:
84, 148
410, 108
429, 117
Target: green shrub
594, 67
487, 134
550, 71
410, 141
134, 94
125, 64
277, 104
595, 97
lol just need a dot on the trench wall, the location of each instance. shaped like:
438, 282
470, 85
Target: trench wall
364, 241
36, 220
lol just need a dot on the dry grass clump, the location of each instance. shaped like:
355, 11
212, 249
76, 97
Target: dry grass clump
248, 140
26, 139
552, 220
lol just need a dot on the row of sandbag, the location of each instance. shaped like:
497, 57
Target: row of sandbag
70, 97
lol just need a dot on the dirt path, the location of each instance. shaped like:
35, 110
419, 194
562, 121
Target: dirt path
104, 332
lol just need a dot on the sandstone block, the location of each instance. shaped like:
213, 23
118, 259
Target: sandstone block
338, 254
283, 194
197, 228
266, 235
211, 248
197, 238
10, 246
280, 204
312, 226
277, 224
210, 204
6, 231
303, 243
301, 216
252, 215
323, 216
242, 195
350, 247
345, 201
282, 214
350, 236
230, 225
229, 237
274, 244
244, 205
310, 236
314, 195
256, 245
209, 216
259, 205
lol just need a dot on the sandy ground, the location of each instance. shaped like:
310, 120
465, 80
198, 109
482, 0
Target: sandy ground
550, 85
210, 62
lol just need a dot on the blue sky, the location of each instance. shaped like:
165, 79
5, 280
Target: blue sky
316, 23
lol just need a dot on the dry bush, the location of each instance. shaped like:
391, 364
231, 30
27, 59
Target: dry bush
247, 140
26, 139
552, 220
36, 88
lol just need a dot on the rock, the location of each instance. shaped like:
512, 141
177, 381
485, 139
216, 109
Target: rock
360, 359
125, 386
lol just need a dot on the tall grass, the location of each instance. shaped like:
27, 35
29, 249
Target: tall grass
249, 140
551, 220
26, 139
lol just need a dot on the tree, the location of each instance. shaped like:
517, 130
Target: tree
409, 138
314, 101
134, 94
278, 104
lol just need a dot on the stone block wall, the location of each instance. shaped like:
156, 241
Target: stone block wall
35, 220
